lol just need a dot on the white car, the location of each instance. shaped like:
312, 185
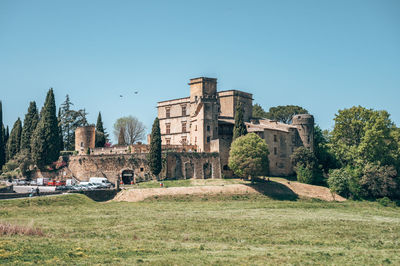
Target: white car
102, 181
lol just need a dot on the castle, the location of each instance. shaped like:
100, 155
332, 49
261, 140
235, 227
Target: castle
205, 119
200, 124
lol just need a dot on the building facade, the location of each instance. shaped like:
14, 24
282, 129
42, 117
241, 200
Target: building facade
205, 120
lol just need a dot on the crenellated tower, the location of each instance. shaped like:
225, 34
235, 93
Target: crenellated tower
305, 127
204, 111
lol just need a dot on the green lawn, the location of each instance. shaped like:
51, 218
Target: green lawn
222, 229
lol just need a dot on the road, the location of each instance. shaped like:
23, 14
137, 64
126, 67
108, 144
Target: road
27, 189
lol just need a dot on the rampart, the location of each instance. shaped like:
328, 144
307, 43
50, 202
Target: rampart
176, 165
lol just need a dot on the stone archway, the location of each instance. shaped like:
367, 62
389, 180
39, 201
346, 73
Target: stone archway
207, 170
189, 170
127, 176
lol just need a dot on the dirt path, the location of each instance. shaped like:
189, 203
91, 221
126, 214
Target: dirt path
302, 190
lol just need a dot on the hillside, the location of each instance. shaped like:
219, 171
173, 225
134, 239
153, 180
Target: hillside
278, 189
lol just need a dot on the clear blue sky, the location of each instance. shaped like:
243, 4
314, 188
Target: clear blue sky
322, 55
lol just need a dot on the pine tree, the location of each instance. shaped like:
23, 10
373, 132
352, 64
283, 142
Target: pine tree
154, 158
45, 142
2, 139
239, 128
100, 135
60, 133
30, 123
14, 142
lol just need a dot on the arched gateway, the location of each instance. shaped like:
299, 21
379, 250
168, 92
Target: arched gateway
127, 176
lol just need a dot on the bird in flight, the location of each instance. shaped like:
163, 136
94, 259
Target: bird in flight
136, 92
120, 96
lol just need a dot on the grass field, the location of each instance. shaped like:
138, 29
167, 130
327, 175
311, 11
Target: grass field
220, 229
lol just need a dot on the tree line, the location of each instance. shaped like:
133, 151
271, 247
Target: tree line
43, 136
358, 159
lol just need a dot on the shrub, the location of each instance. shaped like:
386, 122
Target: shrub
345, 182
379, 182
304, 174
386, 202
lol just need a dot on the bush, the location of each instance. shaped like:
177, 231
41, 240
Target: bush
305, 175
379, 182
386, 202
345, 182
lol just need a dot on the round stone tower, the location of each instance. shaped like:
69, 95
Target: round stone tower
84, 139
305, 127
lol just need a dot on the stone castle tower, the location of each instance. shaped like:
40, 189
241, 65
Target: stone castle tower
305, 127
204, 111
84, 139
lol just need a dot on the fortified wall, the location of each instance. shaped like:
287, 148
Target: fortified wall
134, 167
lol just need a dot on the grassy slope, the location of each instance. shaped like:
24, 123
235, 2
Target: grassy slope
232, 229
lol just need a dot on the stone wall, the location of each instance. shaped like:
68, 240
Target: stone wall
192, 165
175, 165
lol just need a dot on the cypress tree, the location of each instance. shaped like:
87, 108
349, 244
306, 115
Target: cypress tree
6, 135
14, 142
154, 158
30, 123
45, 141
2, 139
100, 135
239, 128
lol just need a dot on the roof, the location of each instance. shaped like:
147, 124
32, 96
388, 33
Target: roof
269, 125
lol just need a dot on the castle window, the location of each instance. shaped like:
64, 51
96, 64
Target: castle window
208, 139
195, 140
168, 141
184, 140
195, 127
275, 138
208, 128
275, 151
141, 169
167, 112
183, 126
168, 128
81, 144
183, 110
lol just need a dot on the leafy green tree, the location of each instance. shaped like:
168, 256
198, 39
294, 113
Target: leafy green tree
14, 142
323, 153
121, 137
45, 141
239, 129
248, 157
285, 113
100, 134
154, 158
363, 136
258, 111
30, 123
380, 181
306, 166
2, 139
133, 130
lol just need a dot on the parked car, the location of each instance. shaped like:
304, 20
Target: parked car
33, 183
21, 182
51, 182
101, 181
60, 183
